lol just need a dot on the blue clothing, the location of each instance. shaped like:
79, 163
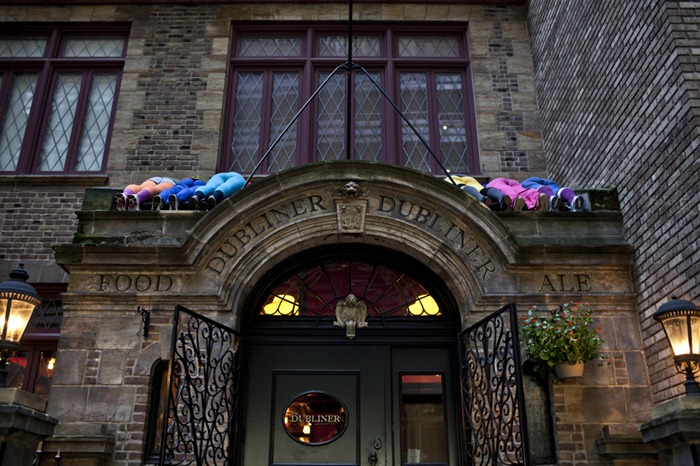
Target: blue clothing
537, 183
221, 186
182, 190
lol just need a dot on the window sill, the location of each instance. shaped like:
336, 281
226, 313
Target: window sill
53, 180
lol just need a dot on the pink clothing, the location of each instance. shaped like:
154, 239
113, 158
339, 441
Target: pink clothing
514, 189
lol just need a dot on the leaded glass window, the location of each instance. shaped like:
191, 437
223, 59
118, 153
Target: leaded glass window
74, 110
426, 75
316, 290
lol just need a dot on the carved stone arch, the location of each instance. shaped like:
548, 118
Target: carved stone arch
459, 239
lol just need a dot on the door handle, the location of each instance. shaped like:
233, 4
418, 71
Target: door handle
373, 457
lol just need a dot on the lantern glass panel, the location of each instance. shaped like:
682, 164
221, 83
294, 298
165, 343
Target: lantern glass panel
677, 332
20, 313
695, 333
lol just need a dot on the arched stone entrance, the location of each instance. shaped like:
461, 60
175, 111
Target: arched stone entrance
213, 261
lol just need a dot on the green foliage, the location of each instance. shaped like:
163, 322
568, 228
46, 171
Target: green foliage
567, 334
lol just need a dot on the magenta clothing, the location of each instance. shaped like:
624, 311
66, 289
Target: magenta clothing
514, 189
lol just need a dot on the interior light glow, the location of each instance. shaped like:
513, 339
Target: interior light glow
283, 305
424, 305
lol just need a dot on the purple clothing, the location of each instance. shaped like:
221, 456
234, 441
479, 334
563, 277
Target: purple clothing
513, 189
550, 188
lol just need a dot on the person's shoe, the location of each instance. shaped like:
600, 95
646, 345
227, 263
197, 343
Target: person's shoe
505, 202
554, 203
156, 202
487, 201
519, 204
543, 202
192, 203
172, 202
577, 204
211, 202
120, 201
132, 202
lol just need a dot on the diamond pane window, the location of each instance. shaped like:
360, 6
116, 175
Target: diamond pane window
414, 103
93, 48
14, 122
453, 137
57, 137
247, 119
368, 118
22, 47
330, 142
96, 123
58, 96
433, 47
426, 75
337, 46
285, 95
275, 46
315, 291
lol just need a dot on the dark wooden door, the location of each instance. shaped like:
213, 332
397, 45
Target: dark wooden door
379, 406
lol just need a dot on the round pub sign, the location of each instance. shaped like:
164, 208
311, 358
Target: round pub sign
315, 418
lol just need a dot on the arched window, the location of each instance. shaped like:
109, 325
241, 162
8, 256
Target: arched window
391, 286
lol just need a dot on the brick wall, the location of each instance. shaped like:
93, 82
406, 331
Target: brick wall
618, 90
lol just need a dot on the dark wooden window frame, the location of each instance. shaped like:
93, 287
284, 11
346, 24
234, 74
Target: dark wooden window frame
388, 65
47, 69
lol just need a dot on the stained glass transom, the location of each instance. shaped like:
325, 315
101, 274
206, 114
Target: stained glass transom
14, 122
26, 47
432, 47
315, 291
94, 48
337, 46
276, 46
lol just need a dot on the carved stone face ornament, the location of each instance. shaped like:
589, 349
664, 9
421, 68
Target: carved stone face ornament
351, 314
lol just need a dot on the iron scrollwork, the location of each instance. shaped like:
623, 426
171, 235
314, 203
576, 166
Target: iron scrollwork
202, 409
492, 394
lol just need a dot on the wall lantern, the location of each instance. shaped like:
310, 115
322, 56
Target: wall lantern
681, 322
17, 302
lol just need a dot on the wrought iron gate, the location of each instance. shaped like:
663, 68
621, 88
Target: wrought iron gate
202, 416
493, 406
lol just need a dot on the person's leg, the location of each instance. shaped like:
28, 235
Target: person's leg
542, 185
231, 186
473, 192
151, 190
202, 192
498, 200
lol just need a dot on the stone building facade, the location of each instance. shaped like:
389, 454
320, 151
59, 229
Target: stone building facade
614, 115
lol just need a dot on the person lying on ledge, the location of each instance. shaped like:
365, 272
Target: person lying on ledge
491, 197
559, 198
520, 196
135, 194
171, 198
218, 188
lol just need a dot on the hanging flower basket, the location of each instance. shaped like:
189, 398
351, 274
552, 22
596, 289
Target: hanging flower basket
564, 336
